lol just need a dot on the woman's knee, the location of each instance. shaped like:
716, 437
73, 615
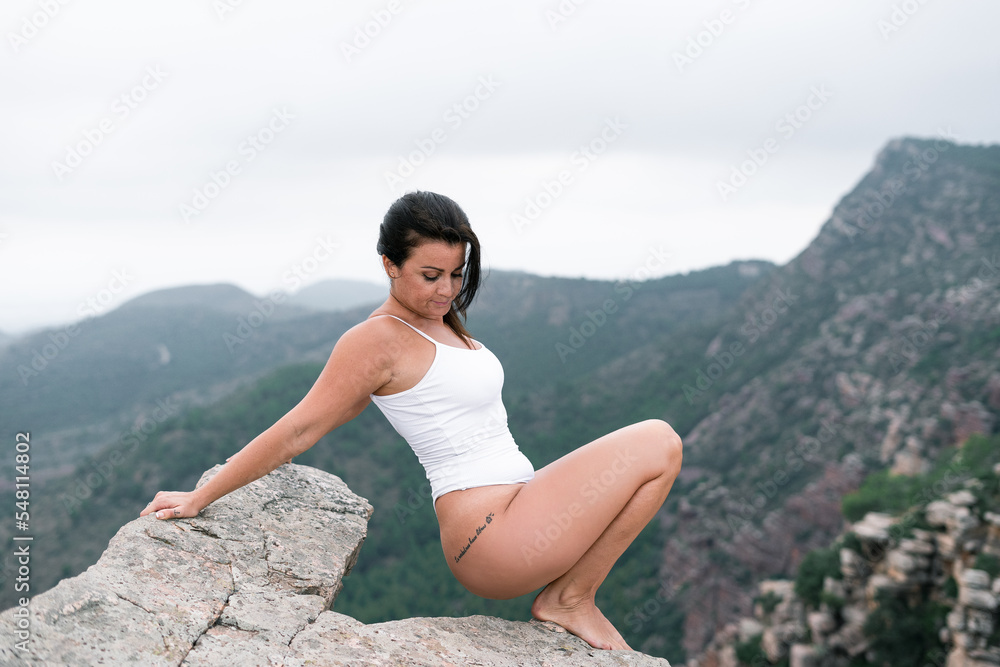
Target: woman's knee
664, 446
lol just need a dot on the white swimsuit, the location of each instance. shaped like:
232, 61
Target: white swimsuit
455, 421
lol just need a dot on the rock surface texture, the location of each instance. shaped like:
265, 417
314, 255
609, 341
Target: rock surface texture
250, 581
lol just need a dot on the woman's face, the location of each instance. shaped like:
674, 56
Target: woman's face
430, 279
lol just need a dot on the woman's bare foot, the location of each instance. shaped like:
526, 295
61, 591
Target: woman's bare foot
579, 616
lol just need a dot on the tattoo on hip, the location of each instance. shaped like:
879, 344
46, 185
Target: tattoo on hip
479, 531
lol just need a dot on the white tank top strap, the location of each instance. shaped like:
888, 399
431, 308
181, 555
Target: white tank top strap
411, 326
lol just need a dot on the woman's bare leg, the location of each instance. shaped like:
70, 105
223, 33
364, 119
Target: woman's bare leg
569, 600
566, 528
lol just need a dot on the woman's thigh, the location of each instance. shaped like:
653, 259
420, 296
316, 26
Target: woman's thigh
557, 516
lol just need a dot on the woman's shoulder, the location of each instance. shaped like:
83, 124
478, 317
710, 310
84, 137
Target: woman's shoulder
379, 322
377, 330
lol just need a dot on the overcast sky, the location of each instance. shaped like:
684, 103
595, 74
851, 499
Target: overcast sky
146, 145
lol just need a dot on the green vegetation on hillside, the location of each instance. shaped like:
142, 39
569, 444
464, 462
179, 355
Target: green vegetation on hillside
904, 632
894, 494
814, 568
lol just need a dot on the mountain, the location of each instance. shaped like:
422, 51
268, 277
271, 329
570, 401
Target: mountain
333, 295
878, 347
82, 385
220, 296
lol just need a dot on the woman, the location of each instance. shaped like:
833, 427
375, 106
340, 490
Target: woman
506, 529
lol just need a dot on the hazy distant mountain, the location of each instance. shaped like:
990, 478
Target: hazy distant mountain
5, 339
221, 296
333, 295
82, 385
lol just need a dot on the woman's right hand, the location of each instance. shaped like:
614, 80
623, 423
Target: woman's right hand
173, 505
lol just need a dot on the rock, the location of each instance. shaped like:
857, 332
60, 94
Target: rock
917, 547
874, 527
335, 639
972, 545
946, 546
804, 655
977, 579
780, 587
909, 462
854, 615
834, 587
849, 639
876, 583
726, 657
987, 657
976, 599
749, 628
979, 622
961, 523
907, 567
939, 511
963, 641
852, 565
250, 581
956, 619
962, 498
776, 640
820, 623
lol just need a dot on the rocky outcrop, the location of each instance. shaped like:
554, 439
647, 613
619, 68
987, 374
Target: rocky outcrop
251, 581
884, 555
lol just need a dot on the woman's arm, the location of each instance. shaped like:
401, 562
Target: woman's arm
361, 362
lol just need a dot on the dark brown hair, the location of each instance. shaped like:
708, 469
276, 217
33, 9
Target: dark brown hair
417, 217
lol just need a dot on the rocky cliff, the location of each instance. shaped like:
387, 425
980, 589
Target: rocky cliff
251, 581
877, 348
916, 588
